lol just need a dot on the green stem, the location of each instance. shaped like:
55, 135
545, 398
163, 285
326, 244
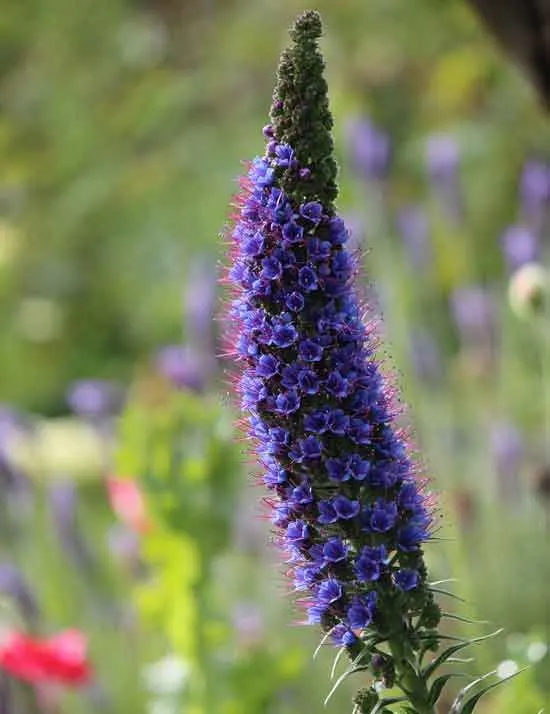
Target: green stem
408, 677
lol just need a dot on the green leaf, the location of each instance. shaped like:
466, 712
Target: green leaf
322, 642
378, 708
351, 670
336, 660
341, 678
440, 682
469, 706
467, 620
450, 651
439, 591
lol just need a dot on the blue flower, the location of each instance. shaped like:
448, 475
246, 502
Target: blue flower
295, 301
329, 591
307, 279
313, 211
310, 351
406, 579
345, 508
334, 550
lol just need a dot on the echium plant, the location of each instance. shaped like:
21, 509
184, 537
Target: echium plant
349, 504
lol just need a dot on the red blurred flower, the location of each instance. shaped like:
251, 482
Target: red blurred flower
62, 658
127, 502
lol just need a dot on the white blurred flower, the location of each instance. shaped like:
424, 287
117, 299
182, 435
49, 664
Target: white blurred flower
56, 448
536, 651
507, 668
529, 290
167, 676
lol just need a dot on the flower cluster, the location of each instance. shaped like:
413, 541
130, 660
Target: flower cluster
348, 506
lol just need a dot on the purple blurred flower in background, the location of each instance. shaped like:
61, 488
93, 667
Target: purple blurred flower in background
14, 585
412, 224
125, 546
183, 367
199, 301
507, 451
473, 311
16, 490
534, 192
443, 164
249, 624
63, 502
94, 398
370, 149
425, 355
519, 246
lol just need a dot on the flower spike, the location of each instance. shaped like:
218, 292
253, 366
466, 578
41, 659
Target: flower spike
349, 506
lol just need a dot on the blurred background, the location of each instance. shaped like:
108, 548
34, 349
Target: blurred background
128, 510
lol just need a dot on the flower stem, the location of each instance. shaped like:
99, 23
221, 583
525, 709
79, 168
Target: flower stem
408, 677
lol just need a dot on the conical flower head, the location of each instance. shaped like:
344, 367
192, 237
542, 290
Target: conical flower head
347, 503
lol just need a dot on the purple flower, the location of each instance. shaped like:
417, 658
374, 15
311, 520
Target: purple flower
345, 508
284, 335
337, 469
520, 246
370, 149
319, 408
329, 591
63, 503
534, 193
406, 579
310, 351
361, 612
474, 314
313, 211
298, 533
295, 301
182, 367
383, 516
412, 224
443, 162
94, 398
367, 570
268, 366
292, 232
308, 381
311, 447
13, 584
271, 268
342, 636
334, 550
287, 402
307, 279
327, 513
316, 422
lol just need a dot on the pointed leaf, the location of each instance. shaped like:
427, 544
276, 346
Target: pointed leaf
450, 651
439, 684
440, 591
340, 679
322, 642
468, 708
379, 706
336, 660
467, 620
435, 583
